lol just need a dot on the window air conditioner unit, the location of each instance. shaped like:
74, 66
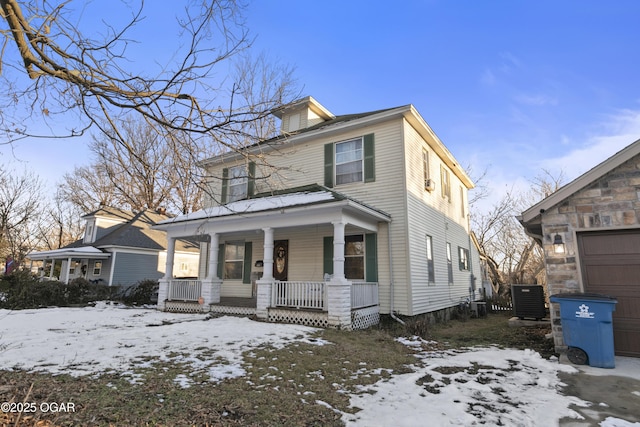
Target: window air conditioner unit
528, 301
429, 184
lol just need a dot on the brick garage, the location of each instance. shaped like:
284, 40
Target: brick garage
597, 216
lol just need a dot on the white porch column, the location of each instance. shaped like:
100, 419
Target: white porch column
163, 283
268, 254
64, 272
53, 265
171, 251
264, 285
338, 249
339, 288
214, 247
212, 285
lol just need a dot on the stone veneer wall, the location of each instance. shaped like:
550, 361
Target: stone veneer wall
611, 202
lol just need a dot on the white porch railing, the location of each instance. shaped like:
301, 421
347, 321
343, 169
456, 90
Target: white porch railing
364, 294
299, 295
184, 290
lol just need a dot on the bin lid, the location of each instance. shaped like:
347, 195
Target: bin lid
585, 296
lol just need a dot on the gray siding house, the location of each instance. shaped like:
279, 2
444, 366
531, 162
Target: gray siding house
335, 221
118, 248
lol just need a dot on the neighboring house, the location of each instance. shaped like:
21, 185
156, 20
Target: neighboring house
590, 232
334, 221
118, 248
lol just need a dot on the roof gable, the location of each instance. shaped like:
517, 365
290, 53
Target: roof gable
582, 181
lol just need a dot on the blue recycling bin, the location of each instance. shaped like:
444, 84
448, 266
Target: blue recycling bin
587, 328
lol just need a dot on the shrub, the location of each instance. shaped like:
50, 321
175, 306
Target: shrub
22, 290
143, 292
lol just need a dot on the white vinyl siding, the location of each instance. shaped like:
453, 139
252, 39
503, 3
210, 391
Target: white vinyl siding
398, 154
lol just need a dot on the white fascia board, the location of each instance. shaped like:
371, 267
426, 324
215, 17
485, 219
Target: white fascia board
361, 216
131, 250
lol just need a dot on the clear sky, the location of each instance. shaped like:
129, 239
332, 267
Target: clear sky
512, 86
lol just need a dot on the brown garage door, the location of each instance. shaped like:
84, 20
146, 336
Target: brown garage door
611, 265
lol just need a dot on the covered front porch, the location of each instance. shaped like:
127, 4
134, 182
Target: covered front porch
67, 264
304, 257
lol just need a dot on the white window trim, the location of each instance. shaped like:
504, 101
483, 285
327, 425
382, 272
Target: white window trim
336, 163
242, 182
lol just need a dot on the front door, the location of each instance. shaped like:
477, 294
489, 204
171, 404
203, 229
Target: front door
280, 259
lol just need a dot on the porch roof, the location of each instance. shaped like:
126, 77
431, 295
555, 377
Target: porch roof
313, 198
64, 253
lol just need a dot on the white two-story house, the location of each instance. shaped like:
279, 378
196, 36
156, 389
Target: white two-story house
336, 220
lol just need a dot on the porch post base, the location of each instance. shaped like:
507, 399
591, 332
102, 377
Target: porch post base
211, 292
163, 293
339, 303
263, 300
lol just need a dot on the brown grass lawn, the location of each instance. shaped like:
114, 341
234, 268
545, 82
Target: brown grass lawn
299, 385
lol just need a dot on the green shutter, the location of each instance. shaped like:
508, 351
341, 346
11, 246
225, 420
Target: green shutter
369, 159
225, 182
328, 165
251, 184
246, 274
327, 255
220, 260
371, 255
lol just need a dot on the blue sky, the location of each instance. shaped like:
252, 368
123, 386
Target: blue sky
508, 86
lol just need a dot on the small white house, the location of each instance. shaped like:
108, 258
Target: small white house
118, 248
332, 222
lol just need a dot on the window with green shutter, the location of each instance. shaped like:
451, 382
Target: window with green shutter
349, 161
238, 182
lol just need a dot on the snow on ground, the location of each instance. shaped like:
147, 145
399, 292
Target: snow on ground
108, 338
490, 385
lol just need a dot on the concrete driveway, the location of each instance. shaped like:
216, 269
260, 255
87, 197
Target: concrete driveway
611, 393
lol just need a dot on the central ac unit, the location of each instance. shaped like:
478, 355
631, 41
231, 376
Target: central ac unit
528, 301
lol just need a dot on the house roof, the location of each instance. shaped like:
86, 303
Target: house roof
354, 121
308, 195
76, 252
135, 233
109, 212
534, 213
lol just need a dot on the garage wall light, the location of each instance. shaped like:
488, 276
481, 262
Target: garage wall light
558, 244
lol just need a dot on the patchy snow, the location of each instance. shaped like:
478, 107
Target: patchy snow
108, 338
482, 385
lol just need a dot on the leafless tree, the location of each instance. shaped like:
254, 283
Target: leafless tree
88, 188
19, 209
512, 256
61, 225
91, 78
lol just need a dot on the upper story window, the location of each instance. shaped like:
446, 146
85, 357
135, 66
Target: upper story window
445, 179
349, 158
425, 168
238, 179
462, 207
238, 182
349, 161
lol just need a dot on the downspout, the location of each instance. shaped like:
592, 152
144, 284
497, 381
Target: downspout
393, 316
